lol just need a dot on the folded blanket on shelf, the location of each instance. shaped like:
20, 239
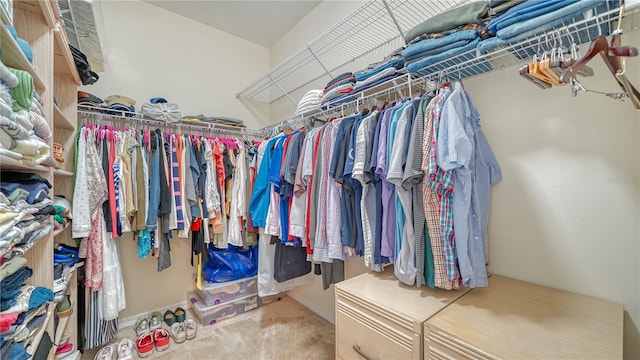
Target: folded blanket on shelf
382, 74
364, 74
348, 80
16, 131
311, 100
377, 82
424, 63
499, 7
545, 22
525, 11
7, 76
338, 89
467, 14
307, 108
439, 43
336, 94
413, 58
339, 77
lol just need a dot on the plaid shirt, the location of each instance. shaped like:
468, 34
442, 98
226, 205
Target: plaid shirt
438, 188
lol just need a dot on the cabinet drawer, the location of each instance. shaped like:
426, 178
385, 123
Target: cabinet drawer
374, 339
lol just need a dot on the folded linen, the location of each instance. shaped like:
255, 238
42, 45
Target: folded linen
377, 82
467, 14
413, 58
12, 128
348, 80
339, 77
431, 44
538, 25
398, 64
307, 108
500, 7
422, 64
525, 11
338, 89
384, 73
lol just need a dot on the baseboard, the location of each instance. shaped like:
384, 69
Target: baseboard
131, 320
320, 311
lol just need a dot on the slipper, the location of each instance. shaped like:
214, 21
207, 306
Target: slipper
180, 314
169, 317
155, 321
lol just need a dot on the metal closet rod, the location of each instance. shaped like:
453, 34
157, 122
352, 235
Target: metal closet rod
136, 120
397, 88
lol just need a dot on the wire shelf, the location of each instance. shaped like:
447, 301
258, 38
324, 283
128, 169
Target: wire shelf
367, 34
595, 22
402, 86
376, 28
135, 120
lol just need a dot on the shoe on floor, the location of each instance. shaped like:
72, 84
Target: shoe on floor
142, 325
125, 349
144, 344
180, 314
75, 355
106, 353
190, 329
178, 332
161, 339
155, 321
169, 317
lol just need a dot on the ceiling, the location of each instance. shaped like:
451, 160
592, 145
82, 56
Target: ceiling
262, 22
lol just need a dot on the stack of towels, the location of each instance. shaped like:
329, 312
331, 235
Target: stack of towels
310, 101
390, 67
24, 132
338, 88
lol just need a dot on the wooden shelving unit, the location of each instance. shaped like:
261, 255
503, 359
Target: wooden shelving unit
31, 349
55, 75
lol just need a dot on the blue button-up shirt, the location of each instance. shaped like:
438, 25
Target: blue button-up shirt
463, 149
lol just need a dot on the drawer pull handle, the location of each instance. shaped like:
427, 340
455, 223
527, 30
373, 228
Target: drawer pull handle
359, 351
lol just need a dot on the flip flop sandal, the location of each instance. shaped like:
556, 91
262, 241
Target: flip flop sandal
169, 317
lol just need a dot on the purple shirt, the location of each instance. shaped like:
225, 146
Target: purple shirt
388, 204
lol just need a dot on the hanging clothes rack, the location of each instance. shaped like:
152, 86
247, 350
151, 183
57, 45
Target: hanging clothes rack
137, 120
406, 85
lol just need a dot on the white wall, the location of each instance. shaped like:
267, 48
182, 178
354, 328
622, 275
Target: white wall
321, 18
567, 211
152, 52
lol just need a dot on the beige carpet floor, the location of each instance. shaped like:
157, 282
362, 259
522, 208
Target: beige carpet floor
283, 330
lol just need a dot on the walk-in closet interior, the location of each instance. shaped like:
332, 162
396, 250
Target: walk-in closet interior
316, 179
